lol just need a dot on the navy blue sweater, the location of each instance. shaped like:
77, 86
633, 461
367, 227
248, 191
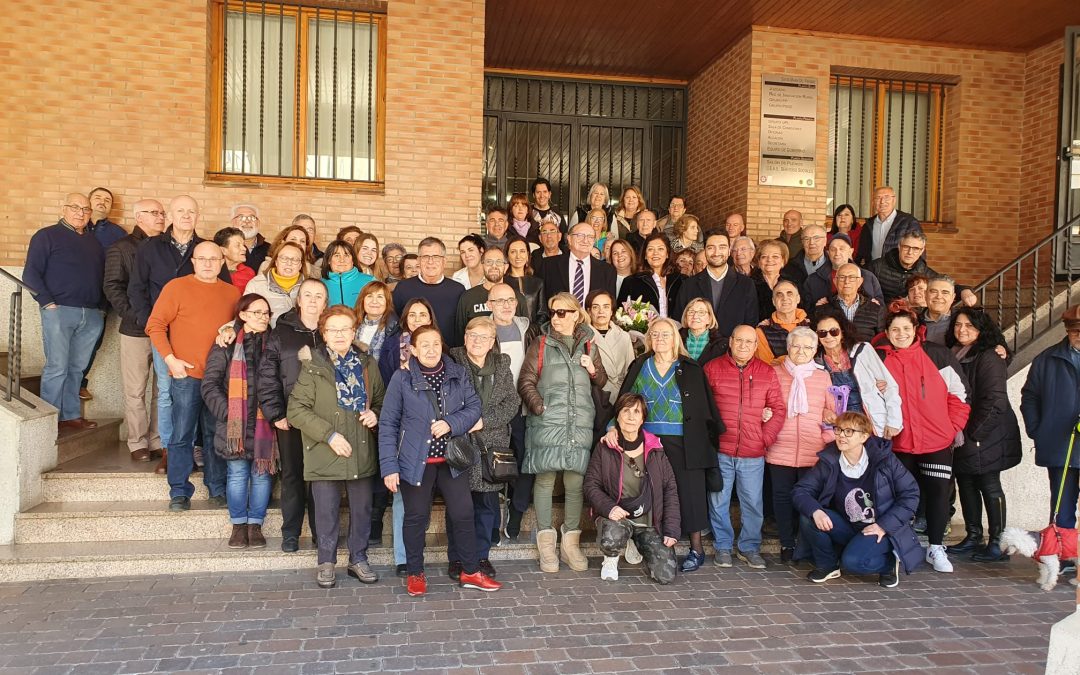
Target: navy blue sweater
65, 268
443, 297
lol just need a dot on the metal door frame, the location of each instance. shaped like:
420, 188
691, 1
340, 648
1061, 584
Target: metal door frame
1068, 200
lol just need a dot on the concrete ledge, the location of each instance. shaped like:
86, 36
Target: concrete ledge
29, 442
1063, 657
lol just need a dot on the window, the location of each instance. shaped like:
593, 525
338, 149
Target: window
885, 131
298, 93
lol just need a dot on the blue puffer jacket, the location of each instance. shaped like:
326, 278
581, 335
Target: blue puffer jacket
1050, 404
407, 414
896, 495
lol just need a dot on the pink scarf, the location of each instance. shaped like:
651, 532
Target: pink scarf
797, 401
522, 227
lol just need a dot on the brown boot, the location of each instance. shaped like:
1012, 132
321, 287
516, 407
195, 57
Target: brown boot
255, 536
546, 543
163, 465
239, 537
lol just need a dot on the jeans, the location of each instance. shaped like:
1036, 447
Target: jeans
861, 554
85, 382
1067, 516
68, 335
187, 408
247, 506
398, 510
163, 382
746, 475
459, 508
327, 497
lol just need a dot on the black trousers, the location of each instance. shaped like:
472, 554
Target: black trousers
459, 512
787, 518
295, 492
933, 470
327, 494
521, 489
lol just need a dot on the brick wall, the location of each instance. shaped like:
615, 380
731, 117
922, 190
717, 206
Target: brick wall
1038, 170
130, 112
717, 145
988, 190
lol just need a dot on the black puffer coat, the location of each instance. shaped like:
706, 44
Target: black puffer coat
280, 365
992, 434
215, 390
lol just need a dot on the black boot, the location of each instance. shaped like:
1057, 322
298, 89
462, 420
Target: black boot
971, 506
995, 516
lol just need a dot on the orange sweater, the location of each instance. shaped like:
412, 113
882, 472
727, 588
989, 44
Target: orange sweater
186, 318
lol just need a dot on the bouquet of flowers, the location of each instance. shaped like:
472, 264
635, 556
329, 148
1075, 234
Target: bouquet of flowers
635, 316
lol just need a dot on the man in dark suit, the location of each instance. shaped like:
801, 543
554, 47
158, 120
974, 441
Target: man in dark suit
883, 232
577, 271
733, 295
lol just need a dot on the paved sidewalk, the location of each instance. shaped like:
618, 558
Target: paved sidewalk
983, 619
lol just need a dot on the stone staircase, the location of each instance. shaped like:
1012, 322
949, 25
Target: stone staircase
105, 516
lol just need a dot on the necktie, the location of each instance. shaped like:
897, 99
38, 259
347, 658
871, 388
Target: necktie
579, 282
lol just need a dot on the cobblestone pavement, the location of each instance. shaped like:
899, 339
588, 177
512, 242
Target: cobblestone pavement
983, 619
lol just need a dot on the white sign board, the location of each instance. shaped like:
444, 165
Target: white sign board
788, 131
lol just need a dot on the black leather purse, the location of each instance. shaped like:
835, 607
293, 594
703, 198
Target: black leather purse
497, 464
462, 452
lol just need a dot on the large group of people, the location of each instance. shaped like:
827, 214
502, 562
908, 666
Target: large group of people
827, 379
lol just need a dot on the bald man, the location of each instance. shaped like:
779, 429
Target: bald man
64, 268
791, 233
136, 361
182, 328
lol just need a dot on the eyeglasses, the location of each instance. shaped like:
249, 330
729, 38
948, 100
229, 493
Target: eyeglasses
845, 432
156, 214
662, 336
911, 249
258, 312
246, 219
544, 233
479, 337
76, 208
840, 278
561, 313
393, 258
431, 258
816, 237
338, 331
698, 312
207, 260
502, 301
583, 235
834, 332
494, 263
290, 261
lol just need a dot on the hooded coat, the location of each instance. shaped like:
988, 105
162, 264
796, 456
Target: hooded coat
1050, 404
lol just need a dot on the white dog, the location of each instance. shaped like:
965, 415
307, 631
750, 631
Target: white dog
1047, 548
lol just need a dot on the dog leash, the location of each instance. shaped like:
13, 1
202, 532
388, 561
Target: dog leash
1064, 472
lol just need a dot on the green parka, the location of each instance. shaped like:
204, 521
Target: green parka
559, 426
314, 410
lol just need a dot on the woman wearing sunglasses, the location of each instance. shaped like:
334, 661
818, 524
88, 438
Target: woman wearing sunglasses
633, 489
857, 373
555, 385
856, 507
682, 413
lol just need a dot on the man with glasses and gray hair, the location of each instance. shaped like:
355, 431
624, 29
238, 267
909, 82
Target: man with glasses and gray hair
577, 272
136, 361
65, 265
434, 286
245, 217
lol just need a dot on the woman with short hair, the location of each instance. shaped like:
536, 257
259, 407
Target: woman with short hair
340, 274
375, 318
685, 234
624, 259
845, 222
772, 256
471, 249
701, 332
335, 404
555, 383
614, 344
859, 500
599, 199
427, 405
281, 281
632, 487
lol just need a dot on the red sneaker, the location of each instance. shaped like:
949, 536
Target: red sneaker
479, 581
416, 584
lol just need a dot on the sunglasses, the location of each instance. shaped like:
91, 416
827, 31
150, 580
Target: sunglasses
834, 332
638, 473
561, 313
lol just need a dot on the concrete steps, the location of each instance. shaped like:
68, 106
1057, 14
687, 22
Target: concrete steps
74, 444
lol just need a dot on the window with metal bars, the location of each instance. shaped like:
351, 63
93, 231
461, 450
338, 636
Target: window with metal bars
885, 131
298, 92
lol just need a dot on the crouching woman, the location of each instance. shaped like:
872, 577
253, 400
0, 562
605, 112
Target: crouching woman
859, 499
633, 486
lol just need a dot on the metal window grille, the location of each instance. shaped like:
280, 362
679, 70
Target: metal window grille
576, 133
299, 91
886, 132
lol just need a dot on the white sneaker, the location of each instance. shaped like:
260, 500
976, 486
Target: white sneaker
609, 571
936, 556
633, 556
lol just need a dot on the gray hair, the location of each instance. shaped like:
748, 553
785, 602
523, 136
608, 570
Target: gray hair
943, 277
915, 234
244, 206
393, 246
603, 188
802, 332
753, 246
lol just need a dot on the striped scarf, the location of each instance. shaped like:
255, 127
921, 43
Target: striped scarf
265, 451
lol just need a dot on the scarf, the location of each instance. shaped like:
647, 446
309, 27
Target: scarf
797, 400
349, 380
521, 227
403, 349
286, 283
483, 377
265, 450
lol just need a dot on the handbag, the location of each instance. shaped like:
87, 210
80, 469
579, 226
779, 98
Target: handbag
497, 465
462, 452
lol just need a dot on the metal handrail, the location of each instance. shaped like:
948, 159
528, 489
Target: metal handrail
13, 384
1027, 267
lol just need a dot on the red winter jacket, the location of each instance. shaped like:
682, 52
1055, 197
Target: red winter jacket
933, 389
740, 397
